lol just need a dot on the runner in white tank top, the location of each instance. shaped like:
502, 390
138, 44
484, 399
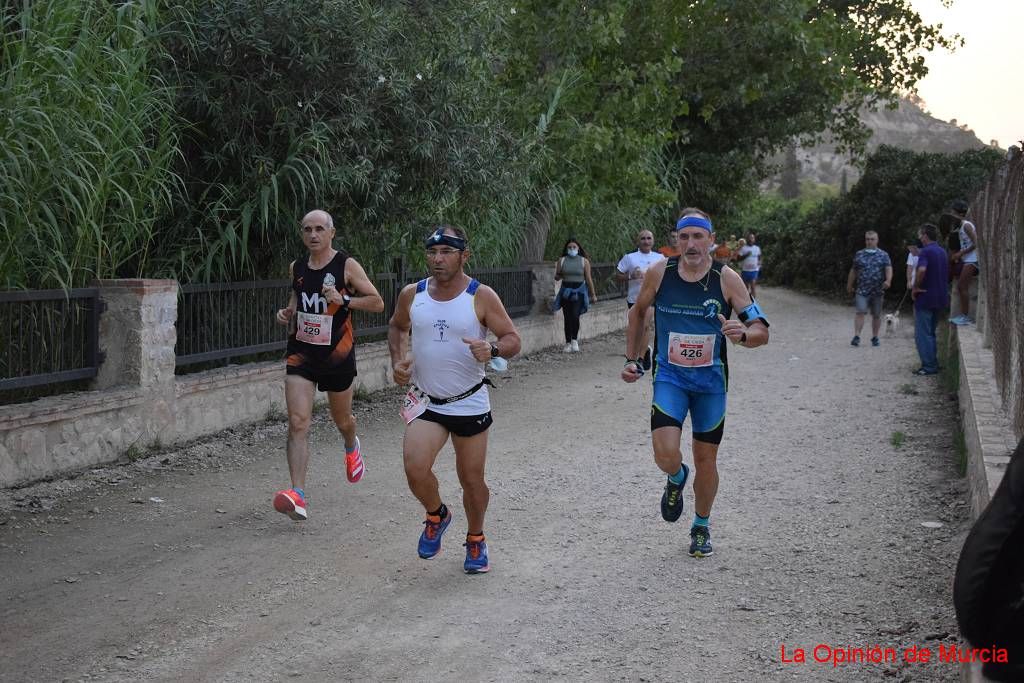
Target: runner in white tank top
449, 315
444, 366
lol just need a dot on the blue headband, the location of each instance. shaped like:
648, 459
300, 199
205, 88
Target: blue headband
438, 237
694, 222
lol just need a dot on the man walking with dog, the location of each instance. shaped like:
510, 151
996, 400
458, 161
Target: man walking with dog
869, 277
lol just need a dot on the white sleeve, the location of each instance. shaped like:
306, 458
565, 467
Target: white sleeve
624, 264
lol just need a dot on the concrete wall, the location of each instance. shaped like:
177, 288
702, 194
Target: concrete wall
139, 401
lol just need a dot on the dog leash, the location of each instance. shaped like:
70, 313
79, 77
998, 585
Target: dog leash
902, 299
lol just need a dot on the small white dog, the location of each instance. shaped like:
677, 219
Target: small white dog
892, 323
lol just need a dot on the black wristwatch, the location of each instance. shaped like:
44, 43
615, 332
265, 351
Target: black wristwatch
346, 299
495, 351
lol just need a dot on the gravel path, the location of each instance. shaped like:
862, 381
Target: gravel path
175, 566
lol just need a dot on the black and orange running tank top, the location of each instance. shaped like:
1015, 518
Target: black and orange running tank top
322, 334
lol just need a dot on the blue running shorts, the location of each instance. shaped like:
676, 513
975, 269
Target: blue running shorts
707, 411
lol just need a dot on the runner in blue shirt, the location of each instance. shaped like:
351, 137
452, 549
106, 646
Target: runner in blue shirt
693, 299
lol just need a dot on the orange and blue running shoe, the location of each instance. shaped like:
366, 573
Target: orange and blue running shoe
476, 556
430, 539
354, 467
292, 503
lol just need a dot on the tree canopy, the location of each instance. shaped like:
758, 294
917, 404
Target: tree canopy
524, 122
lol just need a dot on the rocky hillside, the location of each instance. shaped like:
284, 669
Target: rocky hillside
907, 127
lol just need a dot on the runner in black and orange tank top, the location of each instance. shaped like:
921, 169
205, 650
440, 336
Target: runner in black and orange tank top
326, 285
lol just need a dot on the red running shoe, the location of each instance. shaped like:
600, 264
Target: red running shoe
290, 502
354, 467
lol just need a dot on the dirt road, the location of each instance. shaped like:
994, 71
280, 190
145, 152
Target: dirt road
176, 567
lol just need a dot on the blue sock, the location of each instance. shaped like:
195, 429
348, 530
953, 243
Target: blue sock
679, 478
352, 448
700, 521
299, 491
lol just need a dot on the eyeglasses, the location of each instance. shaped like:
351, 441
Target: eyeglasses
433, 253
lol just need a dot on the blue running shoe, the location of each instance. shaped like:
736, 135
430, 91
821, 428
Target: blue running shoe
430, 539
700, 541
672, 498
476, 556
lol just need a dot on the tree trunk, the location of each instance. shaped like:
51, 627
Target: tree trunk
535, 237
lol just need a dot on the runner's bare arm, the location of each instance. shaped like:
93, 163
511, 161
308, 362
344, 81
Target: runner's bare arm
491, 313
284, 315
739, 298
558, 269
590, 280
357, 282
398, 333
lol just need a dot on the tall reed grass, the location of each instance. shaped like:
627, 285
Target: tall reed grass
87, 138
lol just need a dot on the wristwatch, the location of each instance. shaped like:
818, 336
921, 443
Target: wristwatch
346, 299
495, 351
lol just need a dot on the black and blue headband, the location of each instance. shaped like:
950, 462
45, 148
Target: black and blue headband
694, 222
439, 237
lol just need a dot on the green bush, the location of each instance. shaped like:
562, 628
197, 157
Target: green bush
380, 113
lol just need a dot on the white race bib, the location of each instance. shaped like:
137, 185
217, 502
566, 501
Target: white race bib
314, 328
691, 350
414, 404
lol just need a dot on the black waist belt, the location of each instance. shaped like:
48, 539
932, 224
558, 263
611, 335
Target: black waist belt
468, 392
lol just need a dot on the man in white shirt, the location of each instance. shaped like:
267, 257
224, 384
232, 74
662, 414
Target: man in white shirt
912, 248
631, 269
450, 316
750, 264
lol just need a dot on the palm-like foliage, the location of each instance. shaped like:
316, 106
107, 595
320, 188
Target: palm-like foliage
87, 138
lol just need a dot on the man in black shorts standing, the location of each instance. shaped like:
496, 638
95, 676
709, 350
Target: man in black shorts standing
449, 315
326, 285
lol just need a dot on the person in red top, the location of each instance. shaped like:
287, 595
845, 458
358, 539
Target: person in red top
670, 249
326, 286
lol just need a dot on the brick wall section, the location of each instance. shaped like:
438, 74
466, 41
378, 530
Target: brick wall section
140, 402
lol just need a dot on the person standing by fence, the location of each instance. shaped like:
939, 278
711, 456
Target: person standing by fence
449, 315
576, 293
966, 257
931, 296
327, 285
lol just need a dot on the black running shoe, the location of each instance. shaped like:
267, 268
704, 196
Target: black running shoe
700, 541
672, 498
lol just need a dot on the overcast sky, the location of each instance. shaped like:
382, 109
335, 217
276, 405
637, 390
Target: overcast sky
980, 83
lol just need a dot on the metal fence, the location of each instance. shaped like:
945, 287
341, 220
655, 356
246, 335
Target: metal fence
222, 320
48, 337
225, 321
605, 283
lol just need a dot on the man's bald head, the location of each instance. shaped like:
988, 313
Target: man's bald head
318, 217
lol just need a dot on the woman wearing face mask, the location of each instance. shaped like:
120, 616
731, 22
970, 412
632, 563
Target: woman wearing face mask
577, 290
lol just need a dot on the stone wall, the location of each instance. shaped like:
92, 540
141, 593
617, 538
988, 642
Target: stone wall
998, 212
139, 402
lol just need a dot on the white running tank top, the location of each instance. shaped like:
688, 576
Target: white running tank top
966, 243
442, 364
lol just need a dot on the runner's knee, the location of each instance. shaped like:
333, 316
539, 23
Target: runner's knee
298, 423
